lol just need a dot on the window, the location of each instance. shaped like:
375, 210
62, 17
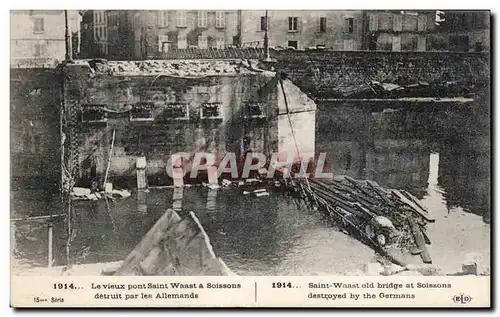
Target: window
396, 43
293, 23
220, 42
421, 44
142, 112
104, 32
163, 43
385, 21
263, 23
39, 50
349, 25
410, 23
202, 19
211, 111
38, 25
176, 111
322, 25
94, 113
202, 41
293, 44
181, 42
255, 110
373, 22
181, 19
220, 19
422, 23
397, 24
163, 18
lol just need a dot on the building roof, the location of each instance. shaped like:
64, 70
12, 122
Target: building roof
174, 68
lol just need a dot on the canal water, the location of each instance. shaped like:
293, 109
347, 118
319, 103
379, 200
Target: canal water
441, 156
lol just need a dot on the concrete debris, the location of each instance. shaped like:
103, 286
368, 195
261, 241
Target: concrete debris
253, 180
392, 269
259, 190
226, 183
373, 269
213, 186
263, 194
122, 193
91, 197
408, 273
471, 264
80, 191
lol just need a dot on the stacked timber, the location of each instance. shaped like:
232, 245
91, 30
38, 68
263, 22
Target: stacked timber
383, 218
174, 246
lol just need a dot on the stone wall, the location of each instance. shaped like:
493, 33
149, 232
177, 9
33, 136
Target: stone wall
318, 73
34, 128
162, 135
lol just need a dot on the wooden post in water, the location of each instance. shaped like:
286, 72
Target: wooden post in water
50, 244
142, 205
140, 166
212, 200
177, 198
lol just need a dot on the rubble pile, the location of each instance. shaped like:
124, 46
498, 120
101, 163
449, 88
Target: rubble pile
375, 89
391, 221
180, 68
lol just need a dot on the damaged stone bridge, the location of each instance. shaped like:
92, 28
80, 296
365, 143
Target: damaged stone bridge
116, 113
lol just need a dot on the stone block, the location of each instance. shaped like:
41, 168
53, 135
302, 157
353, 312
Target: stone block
373, 269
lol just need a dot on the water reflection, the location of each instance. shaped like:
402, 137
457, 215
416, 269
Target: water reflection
436, 156
395, 148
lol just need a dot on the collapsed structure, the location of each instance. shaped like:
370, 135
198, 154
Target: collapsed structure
119, 112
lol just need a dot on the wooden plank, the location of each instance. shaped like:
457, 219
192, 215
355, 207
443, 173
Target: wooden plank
330, 189
426, 237
336, 202
359, 195
414, 200
361, 199
419, 240
358, 186
412, 206
380, 193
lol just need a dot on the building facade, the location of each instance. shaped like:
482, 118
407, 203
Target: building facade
164, 30
465, 31
140, 34
428, 30
37, 37
332, 29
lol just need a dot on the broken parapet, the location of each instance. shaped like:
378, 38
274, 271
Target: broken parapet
176, 68
174, 246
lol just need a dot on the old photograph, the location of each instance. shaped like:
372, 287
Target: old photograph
250, 143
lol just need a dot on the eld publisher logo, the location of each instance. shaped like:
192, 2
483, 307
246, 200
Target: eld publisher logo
462, 299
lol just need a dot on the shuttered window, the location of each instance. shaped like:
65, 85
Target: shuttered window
163, 43
181, 19
202, 41
220, 19
163, 18
202, 19
373, 22
397, 24
422, 23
